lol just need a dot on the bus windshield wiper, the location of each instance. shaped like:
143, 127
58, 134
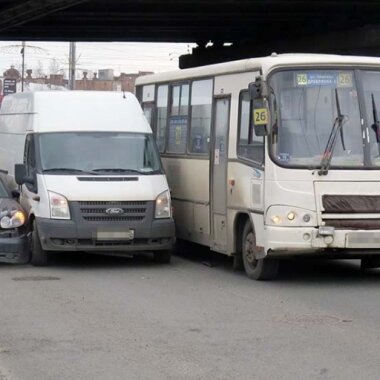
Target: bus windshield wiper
337, 127
376, 125
68, 170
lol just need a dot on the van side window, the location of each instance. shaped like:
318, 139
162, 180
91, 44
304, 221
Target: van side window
201, 106
250, 146
178, 119
161, 116
29, 154
30, 160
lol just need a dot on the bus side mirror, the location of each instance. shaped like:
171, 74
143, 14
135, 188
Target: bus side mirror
259, 92
258, 89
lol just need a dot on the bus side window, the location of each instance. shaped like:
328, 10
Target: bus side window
201, 109
252, 150
161, 116
178, 119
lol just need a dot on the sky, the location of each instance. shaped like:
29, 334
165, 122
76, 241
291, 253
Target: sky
45, 57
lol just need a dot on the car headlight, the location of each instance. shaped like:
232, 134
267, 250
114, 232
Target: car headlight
163, 207
59, 207
12, 219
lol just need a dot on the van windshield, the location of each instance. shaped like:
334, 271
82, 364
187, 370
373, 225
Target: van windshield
98, 153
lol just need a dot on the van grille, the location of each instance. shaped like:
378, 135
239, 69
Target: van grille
96, 211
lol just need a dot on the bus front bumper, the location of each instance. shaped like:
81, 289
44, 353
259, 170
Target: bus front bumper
292, 241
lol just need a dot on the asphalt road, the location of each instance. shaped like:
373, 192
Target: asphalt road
91, 317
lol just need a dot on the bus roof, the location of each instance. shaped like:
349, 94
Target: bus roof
265, 64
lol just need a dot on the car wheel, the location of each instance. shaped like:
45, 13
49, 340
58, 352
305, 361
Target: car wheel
256, 269
38, 256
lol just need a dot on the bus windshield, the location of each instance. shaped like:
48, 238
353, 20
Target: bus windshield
98, 153
304, 108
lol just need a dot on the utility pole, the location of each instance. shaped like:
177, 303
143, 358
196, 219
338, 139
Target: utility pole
72, 61
22, 65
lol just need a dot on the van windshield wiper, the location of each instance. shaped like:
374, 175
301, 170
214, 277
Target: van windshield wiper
376, 125
68, 170
116, 170
331, 142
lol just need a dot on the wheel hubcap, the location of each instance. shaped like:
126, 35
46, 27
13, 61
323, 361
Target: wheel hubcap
249, 249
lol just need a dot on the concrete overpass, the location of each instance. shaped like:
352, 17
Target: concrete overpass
254, 27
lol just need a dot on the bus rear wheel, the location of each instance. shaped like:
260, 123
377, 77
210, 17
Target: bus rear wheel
256, 269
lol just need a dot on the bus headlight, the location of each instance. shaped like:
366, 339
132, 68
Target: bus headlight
276, 219
163, 206
59, 207
12, 219
290, 216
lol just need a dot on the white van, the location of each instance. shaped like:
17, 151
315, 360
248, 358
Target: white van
90, 174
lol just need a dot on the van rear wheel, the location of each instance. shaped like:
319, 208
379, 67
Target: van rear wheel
256, 269
162, 257
38, 256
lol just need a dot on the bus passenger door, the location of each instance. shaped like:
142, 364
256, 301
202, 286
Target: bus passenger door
219, 160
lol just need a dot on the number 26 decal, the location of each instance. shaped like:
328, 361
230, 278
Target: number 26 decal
260, 116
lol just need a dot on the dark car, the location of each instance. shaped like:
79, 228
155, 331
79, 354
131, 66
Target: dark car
13, 233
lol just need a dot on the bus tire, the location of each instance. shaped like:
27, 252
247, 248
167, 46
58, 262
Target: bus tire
369, 263
38, 256
256, 269
162, 257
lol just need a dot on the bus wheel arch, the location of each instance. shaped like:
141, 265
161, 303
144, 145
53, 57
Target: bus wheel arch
240, 221
256, 269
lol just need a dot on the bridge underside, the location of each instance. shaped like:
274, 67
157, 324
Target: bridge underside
254, 27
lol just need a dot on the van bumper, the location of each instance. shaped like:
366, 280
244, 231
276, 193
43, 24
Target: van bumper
13, 248
68, 235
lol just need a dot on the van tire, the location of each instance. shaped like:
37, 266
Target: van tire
256, 269
38, 256
162, 257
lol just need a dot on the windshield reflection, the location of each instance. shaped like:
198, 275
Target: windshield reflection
98, 153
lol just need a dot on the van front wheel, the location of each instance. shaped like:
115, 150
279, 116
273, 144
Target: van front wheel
38, 257
256, 269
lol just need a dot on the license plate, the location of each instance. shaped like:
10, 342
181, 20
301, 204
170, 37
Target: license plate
115, 235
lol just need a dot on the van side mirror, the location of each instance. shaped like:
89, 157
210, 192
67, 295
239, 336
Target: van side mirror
20, 175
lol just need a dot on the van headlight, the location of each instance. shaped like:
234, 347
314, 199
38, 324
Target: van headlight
59, 207
163, 206
12, 219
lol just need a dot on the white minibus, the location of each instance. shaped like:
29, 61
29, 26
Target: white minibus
90, 173
269, 158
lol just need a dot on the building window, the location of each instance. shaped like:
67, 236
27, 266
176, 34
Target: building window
201, 110
250, 146
177, 139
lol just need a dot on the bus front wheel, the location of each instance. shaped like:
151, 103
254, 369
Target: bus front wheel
256, 269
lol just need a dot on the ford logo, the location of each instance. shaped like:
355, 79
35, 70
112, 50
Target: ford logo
114, 211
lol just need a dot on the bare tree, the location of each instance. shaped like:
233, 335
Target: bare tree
54, 67
39, 70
